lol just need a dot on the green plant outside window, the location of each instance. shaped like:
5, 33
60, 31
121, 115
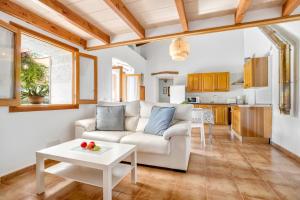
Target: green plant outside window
34, 78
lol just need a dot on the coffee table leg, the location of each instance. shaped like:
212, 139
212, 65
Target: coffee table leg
107, 184
40, 166
134, 168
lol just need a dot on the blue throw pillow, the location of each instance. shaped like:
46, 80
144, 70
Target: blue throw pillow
160, 120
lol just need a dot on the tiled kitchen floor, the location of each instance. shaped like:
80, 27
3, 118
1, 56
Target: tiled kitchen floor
225, 170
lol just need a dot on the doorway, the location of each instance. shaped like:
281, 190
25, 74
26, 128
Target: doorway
164, 89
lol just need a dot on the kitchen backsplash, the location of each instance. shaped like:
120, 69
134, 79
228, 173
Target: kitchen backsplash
218, 97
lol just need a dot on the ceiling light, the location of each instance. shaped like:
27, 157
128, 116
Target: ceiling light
179, 49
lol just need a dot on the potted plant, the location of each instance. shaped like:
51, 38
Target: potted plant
34, 80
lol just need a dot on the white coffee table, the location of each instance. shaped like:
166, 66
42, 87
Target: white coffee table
102, 169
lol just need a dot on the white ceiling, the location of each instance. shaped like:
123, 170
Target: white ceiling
150, 13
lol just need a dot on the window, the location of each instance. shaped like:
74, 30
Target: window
46, 73
125, 85
9, 64
88, 85
53, 75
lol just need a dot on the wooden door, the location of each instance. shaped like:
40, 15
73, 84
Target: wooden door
208, 84
222, 81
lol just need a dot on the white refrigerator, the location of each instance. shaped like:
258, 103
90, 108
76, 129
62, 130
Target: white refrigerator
177, 94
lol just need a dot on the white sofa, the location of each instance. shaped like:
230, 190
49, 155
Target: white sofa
172, 150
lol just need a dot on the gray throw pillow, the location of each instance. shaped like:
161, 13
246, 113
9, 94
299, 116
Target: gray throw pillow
160, 120
110, 118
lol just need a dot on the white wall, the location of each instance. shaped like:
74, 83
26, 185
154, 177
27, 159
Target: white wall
22, 134
125, 54
209, 53
285, 129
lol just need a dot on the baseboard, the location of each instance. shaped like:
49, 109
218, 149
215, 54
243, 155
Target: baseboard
286, 152
23, 171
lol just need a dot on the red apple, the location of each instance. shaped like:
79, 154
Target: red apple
91, 145
83, 145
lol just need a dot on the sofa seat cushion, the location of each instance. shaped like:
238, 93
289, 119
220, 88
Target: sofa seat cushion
148, 143
108, 136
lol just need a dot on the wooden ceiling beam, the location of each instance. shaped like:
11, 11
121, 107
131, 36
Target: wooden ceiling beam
26, 15
201, 31
119, 7
182, 14
241, 10
77, 20
289, 6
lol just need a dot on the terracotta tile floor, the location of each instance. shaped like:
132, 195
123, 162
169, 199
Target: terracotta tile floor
224, 170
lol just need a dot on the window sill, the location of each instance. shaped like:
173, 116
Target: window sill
31, 108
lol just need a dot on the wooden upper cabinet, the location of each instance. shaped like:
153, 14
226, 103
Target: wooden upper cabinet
190, 82
256, 72
222, 81
194, 83
208, 82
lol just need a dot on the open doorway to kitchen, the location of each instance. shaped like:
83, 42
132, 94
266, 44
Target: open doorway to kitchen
164, 89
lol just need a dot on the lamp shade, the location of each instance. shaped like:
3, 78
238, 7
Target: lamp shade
179, 49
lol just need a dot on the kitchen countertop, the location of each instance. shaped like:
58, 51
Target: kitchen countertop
254, 105
228, 104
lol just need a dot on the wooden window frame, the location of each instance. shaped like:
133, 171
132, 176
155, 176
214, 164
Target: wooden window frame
54, 42
121, 82
87, 101
139, 82
17, 65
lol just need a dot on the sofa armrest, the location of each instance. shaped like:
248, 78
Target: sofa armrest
182, 128
84, 125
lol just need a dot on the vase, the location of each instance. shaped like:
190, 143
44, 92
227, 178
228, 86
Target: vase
36, 99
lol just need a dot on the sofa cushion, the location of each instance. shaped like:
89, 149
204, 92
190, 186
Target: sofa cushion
160, 120
108, 136
110, 118
132, 113
142, 124
148, 143
183, 111
132, 109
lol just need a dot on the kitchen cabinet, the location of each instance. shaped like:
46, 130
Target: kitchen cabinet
194, 82
256, 72
252, 123
220, 112
222, 82
236, 119
208, 82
